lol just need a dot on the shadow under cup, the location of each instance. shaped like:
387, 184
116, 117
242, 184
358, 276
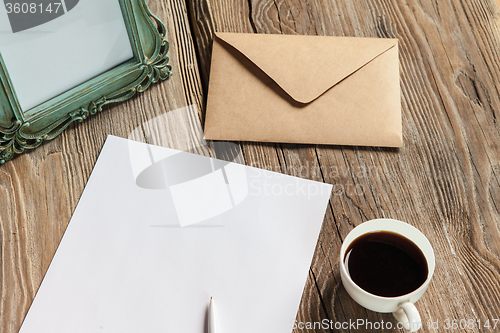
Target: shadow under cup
388, 304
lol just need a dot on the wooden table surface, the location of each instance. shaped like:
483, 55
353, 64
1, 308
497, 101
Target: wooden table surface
445, 180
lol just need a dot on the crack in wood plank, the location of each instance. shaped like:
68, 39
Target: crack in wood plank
250, 16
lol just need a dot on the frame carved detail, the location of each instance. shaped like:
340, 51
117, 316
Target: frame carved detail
21, 131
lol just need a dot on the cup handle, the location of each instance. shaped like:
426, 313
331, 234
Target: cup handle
407, 314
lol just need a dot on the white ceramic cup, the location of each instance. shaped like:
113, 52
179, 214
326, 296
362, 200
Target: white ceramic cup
402, 307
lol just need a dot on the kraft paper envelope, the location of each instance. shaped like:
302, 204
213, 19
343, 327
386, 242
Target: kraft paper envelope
304, 89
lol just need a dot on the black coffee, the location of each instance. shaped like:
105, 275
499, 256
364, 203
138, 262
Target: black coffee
386, 264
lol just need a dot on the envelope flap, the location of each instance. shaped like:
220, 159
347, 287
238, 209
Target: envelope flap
307, 66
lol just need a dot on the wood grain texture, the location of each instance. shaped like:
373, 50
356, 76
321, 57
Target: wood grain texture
39, 190
444, 181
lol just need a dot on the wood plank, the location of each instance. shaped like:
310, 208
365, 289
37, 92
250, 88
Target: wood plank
39, 190
444, 180
298, 160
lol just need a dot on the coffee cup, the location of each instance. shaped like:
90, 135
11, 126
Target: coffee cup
392, 263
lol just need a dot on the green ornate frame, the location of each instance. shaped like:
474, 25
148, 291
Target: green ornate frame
20, 131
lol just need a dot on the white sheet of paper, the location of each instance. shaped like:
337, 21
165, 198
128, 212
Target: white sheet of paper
157, 232
45, 61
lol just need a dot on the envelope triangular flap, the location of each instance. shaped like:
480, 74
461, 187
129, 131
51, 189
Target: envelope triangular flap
307, 66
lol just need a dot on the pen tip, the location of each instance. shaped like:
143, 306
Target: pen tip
211, 298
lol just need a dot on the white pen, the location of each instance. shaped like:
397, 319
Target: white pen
212, 322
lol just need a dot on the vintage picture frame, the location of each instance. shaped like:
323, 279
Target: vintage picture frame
20, 131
